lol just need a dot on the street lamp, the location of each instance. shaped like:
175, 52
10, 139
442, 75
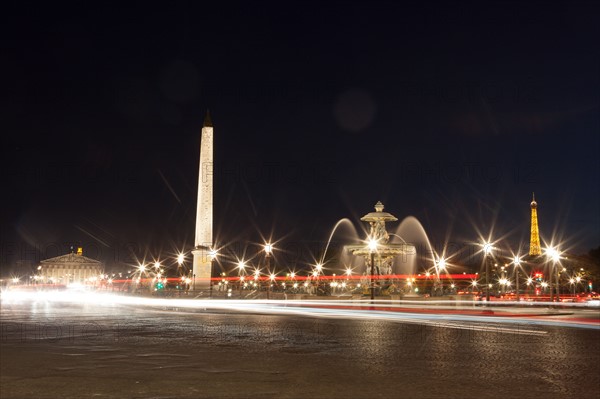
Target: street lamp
554, 256
572, 282
487, 250
268, 249
315, 277
441, 264
317, 274
517, 263
241, 267
241, 272
271, 280
372, 249
319, 268
212, 255
348, 273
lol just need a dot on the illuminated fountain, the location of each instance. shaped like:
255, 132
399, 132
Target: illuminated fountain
379, 252
392, 258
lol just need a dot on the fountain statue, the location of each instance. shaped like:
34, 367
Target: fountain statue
378, 248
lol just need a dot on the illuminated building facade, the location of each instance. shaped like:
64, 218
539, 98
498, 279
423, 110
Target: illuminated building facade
73, 268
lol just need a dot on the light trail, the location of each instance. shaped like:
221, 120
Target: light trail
436, 313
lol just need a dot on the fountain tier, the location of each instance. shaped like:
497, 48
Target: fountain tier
377, 243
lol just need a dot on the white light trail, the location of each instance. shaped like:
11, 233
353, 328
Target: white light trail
397, 311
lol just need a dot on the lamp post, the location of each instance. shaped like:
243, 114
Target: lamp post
142, 270
180, 272
517, 263
212, 254
487, 250
372, 249
549, 256
268, 247
317, 275
441, 264
256, 278
348, 275
241, 273
180, 260
554, 256
572, 282
272, 281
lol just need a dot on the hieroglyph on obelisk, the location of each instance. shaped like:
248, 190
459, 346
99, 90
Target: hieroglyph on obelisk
204, 211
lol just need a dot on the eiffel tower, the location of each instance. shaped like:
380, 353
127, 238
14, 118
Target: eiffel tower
534, 242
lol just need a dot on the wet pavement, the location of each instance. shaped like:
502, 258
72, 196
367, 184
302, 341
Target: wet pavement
50, 350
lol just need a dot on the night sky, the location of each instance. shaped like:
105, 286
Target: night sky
454, 114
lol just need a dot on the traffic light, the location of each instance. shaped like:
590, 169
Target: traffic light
160, 286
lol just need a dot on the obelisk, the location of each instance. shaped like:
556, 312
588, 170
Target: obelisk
204, 210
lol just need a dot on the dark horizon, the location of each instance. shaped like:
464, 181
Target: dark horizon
452, 114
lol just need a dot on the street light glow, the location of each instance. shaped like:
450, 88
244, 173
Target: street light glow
180, 259
487, 248
268, 248
442, 263
553, 254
